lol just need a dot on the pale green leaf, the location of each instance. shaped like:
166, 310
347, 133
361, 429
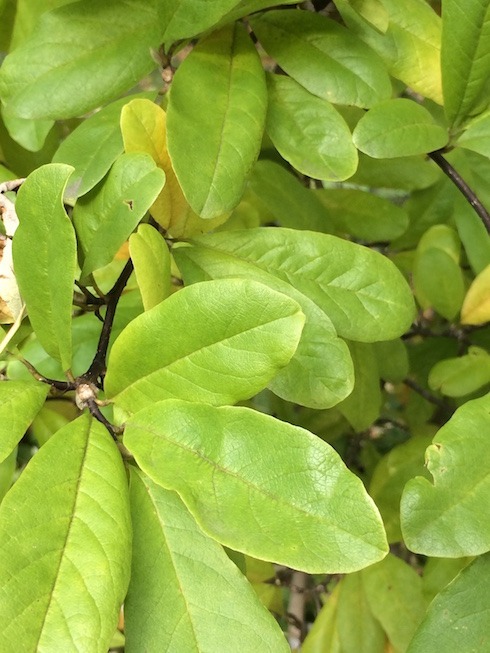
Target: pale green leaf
438, 282
44, 250
361, 291
7, 472
398, 127
93, 147
394, 593
447, 517
151, 260
194, 599
465, 58
308, 131
359, 631
65, 540
324, 57
285, 496
79, 57
363, 215
27, 16
105, 217
457, 377
476, 136
214, 137
323, 637
402, 173
30, 134
183, 19
19, 403
218, 342
439, 572
458, 619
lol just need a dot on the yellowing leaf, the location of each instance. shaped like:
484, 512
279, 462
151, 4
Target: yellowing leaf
476, 305
144, 129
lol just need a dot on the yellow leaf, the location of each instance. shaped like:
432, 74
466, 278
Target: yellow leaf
476, 305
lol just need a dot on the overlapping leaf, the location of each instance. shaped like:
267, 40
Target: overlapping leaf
456, 377
216, 116
105, 218
308, 131
447, 518
93, 45
19, 403
324, 57
44, 252
195, 598
465, 58
65, 545
217, 342
305, 510
151, 260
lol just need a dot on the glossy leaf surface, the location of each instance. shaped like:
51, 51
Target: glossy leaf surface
308, 131
307, 511
65, 545
446, 517
20, 401
105, 218
214, 137
324, 57
44, 250
396, 128
44, 76
195, 599
215, 342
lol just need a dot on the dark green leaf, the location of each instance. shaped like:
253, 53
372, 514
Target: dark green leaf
297, 504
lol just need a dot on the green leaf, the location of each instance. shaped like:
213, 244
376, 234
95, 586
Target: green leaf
27, 16
438, 281
44, 250
446, 518
391, 474
279, 194
361, 291
20, 401
394, 593
65, 540
359, 631
195, 599
218, 342
392, 360
79, 57
151, 259
397, 128
216, 116
105, 217
324, 57
93, 147
308, 131
401, 173
465, 58
30, 134
362, 407
476, 305
439, 572
458, 617
7, 472
363, 215
323, 635
457, 377
476, 136
297, 504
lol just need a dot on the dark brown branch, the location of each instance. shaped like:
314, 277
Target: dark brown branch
96, 371
463, 187
62, 386
426, 394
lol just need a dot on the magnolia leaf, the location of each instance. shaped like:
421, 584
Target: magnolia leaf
183, 19
457, 377
44, 252
361, 291
465, 58
308, 131
218, 342
438, 281
214, 137
324, 57
65, 539
195, 599
93, 147
324, 634
476, 304
476, 136
105, 217
396, 128
30, 134
359, 631
457, 619
20, 401
151, 260
446, 518
44, 76
296, 505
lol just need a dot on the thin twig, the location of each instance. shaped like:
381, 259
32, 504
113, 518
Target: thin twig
463, 187
62, 386
426, 394
96, 371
